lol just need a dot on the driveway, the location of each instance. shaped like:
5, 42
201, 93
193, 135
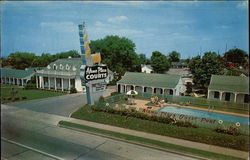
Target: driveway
60, 105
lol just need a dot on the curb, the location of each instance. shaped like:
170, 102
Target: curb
133, 142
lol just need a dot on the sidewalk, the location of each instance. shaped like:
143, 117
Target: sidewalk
176, 141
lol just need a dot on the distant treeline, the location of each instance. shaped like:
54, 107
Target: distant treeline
22, 60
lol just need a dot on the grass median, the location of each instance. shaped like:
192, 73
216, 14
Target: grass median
201, 135
150, 142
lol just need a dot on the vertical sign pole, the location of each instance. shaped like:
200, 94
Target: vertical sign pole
87, 63
83, 41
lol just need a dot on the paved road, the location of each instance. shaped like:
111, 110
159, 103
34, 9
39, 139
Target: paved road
12, 151
40, 132
60, 105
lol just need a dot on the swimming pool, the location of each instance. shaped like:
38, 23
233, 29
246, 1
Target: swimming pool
205, 114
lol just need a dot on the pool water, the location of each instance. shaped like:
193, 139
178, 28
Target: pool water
205, 114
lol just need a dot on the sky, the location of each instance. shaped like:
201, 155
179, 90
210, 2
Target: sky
189, 27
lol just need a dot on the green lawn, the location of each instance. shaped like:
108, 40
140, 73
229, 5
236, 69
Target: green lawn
29, 94
202, 135
140, 140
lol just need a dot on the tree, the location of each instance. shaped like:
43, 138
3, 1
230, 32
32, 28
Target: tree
203, 68
174, 56
189, 87
118, 53
237, 56
3, 62
21, 60
143, 59
159, 62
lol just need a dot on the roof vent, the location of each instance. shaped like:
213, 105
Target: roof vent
69, 57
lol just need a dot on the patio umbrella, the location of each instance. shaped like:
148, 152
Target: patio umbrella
132, 93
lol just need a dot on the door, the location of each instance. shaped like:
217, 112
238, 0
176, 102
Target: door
227, 97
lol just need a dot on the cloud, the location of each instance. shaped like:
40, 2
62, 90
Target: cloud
242, 5
111, 29
117, 19
65, 27
99, 24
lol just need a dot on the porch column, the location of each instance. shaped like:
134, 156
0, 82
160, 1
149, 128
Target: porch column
174, 92
5, 80
36, 82
143, 89
40, 83
221, 95
9, 80
134, 87
235, 97
13, 81
69, 84
43, 82
208, 94
153, 90
125, 88
49, 81
22, 82
62, 83
162, 90
55, 83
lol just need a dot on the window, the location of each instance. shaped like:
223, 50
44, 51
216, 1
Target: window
67, 67
216, 94
227, 96
48, 66
61, 66
246, 98
171, 92
154, 90
145, 89
54, 67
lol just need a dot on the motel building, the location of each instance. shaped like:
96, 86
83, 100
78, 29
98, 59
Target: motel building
16, 76
146, 68
229, 88
151, 83
63, 74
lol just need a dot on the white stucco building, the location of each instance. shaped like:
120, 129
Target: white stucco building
16, 76
146, 68
229, 88
63, 74
151, 83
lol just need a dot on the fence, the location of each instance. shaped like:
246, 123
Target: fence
200, 102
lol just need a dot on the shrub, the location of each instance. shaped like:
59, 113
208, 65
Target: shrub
17, 98
231, 130
144, 116
9, 98
101, 99
24, 97
30, 86
111, 83
114, 93
73, 90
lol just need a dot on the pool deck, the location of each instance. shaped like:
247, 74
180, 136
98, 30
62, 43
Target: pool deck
204, 109
142, 104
